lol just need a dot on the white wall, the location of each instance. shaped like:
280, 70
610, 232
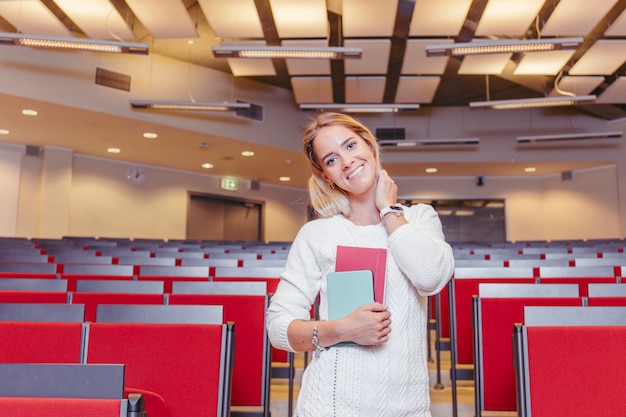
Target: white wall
10, 166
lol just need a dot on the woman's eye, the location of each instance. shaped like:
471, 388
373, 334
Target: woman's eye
330, 161
351, 145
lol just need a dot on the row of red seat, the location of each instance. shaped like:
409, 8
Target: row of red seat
179, 367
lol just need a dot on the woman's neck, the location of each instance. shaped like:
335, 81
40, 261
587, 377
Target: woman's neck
363, 211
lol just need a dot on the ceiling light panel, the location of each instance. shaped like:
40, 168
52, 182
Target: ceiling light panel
438, 17
416, 62
567, 19
618, 26
233, 18
615, 93
542, 63
579, 86
369, 18
603, 58
97, 18
365, 89
374, 59
307, 66
484, 64
178, 23
300, 19
32, 17
417, 89
312, 89
508, 17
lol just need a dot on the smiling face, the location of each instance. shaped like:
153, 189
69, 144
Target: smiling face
347, 160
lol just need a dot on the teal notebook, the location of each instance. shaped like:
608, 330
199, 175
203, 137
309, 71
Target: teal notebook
347, 291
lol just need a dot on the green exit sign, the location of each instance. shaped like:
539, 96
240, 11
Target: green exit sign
230, 184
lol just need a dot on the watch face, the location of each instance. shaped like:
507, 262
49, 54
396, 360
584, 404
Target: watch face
137, 175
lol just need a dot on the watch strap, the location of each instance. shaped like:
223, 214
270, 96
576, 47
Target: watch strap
396, 209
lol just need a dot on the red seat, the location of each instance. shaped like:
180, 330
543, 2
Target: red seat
40, 342
182, 369
251, 377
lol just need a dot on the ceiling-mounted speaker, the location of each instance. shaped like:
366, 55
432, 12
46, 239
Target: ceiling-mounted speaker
254, 112
567, 175
386, 133
112, 79
32, 150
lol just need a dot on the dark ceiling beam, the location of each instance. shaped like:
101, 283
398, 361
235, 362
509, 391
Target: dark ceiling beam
398, 47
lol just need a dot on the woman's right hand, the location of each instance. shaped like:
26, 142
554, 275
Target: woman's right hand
370, 325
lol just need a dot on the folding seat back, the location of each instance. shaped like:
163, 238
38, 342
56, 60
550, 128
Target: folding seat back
33, 284
496, 309
62, 380
581, 275
251, 373
75, 272
181, 369
42, 312
32, 296
28, 270
569, 361
170, 274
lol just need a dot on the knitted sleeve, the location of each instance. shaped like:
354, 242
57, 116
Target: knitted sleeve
298, 287
421, 251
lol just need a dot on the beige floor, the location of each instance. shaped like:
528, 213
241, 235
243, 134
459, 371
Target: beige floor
441, 399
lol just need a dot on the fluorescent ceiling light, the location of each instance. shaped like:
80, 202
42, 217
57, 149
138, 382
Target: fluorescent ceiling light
187, 105
77, 44
360, 108
534, 102
291, 52
502, 46
570, 136
411, 143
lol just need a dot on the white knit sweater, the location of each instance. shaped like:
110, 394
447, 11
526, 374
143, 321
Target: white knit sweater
359, 381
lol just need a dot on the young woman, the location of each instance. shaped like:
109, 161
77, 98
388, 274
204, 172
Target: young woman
384, 371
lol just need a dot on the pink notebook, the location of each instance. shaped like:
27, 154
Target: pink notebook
354, 258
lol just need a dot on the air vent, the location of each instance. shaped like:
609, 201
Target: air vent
112, 79
567, 175
383, 133
255, 185
255, 112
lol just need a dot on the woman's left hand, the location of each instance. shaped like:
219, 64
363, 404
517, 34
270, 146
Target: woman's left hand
386, 190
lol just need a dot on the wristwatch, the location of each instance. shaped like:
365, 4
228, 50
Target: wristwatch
396, 209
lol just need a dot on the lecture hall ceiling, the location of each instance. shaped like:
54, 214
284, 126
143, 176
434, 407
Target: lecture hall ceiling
393, 34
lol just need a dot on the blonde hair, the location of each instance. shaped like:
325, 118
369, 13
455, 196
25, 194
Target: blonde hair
326, 199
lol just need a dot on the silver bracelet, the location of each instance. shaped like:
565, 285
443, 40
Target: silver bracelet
315, 341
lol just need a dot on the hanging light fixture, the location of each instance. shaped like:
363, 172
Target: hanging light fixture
570, 136
360, 108
188, 105
291, 52
73, 44
488, 46
525, 103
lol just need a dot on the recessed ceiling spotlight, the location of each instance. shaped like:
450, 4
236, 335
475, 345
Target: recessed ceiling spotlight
247, 153
530, 169
431, 170
284, 179
150, 135
4, 131
207, 165
29, 112
114, 150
